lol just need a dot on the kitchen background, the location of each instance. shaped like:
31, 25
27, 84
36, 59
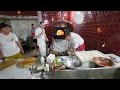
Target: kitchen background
100, 29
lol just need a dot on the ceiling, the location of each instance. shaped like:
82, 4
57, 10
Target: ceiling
34, 13
51, 12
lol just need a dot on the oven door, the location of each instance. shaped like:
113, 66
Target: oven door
59, 33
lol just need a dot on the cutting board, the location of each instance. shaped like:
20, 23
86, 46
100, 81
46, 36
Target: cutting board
86, 56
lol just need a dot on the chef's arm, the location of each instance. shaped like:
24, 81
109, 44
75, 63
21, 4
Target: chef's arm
73, 48
1, 54
73, 51
37, 36
20, 46
46, 37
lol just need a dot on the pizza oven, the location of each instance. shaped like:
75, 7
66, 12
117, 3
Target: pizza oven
60, 27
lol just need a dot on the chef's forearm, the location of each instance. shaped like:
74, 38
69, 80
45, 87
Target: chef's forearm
46, 37
19, 45
37, 36
1, 54
72, 51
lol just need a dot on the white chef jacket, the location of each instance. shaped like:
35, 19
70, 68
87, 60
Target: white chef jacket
8, 44
76, 40
42, 37
41, 42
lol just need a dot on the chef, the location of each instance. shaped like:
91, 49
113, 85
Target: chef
10, 47
41, 38
61, 45
77, 42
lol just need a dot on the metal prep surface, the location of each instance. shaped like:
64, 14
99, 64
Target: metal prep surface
14, 72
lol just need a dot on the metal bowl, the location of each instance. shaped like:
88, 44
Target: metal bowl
69, 63
72, 62
77, 62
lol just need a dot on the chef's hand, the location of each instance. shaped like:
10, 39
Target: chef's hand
22, 51
46, 39
2, 58
72, 53
42, 32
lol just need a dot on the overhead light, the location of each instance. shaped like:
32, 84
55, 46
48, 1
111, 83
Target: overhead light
78, 17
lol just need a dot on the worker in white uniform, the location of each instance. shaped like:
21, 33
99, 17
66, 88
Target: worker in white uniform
41, 38
10, 46
77, 42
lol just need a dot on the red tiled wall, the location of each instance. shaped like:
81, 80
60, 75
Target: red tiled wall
109, 24
48, 27
57, 16
66, 15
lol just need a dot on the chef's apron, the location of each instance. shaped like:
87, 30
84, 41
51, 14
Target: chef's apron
81, 48
42, 48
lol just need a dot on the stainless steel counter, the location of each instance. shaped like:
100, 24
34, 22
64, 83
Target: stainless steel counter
83, 74
14, 72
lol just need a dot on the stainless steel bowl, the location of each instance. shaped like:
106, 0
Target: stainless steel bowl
72, 62
69, 63
77, 62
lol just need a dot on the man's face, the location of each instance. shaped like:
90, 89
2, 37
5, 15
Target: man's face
68, 38
42, 25
33, 26
6, 30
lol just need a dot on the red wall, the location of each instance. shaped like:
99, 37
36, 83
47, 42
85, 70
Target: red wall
66, 15
48, 28
98, 27
109, 32
56, 16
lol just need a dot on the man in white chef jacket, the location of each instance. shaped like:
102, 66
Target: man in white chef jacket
10, 46
77, 42
41, 38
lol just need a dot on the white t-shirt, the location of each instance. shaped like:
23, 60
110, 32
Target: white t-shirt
8, 44
41, 39
76, 39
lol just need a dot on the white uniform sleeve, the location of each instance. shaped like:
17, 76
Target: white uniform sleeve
15, 37
75, 45
78, 42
